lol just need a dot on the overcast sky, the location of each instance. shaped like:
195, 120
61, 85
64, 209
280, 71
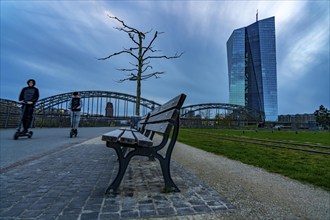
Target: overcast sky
57, 43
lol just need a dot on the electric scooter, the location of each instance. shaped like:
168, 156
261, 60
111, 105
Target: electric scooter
18, 132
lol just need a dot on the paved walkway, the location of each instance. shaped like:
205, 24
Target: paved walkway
70, 184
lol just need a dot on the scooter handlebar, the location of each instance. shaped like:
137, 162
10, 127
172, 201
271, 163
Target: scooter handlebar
26, 102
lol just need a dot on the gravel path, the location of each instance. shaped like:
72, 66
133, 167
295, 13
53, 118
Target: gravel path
257, 194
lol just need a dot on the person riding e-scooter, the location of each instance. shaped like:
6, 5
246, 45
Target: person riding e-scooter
75, 107
28, 97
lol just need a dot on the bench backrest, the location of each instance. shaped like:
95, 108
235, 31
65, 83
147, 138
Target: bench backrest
165, 116
142, 123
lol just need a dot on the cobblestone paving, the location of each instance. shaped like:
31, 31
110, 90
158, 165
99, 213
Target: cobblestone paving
70, 184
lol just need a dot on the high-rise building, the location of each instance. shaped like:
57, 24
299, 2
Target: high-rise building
109, 110
251, 55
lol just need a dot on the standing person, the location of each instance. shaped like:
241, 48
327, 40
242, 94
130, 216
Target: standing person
75, 107
28, 96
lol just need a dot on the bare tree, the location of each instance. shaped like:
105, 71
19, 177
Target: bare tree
142, 53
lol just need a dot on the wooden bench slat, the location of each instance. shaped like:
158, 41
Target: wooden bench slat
127, 137
142, 140
112, 136
176, 102
159, 127
165, 116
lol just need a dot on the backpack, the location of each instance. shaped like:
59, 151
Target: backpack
75, 103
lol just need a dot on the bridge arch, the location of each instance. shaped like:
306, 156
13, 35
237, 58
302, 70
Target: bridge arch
236, 112
94, 103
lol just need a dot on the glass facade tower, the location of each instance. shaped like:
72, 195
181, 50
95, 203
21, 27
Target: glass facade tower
251, 55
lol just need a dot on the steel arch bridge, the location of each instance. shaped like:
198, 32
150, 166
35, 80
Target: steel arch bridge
52, 111
236, 110
94, 103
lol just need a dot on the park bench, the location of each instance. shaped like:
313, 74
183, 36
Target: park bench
128, 142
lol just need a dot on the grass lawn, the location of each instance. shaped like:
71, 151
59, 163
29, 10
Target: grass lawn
305, 167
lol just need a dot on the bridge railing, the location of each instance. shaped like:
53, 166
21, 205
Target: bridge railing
10, 115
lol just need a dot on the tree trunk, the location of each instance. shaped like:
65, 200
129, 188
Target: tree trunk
138, 95
139, 74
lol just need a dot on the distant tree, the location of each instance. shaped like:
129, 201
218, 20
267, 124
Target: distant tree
143, 53
323, 117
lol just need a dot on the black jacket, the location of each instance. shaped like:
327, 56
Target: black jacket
29, 94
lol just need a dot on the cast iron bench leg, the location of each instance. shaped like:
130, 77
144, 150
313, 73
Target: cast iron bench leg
123, 164
169, 183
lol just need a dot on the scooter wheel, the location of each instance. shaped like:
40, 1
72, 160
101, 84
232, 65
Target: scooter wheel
30, 134
16, 135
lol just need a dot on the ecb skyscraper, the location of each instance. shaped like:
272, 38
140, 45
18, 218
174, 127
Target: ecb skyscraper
251, 56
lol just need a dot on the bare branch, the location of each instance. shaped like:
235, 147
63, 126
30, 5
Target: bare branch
124, 25
129, 30
150, 44
165, 57
147, 67
155, 74
127, 70
131, 77
132, 38
152, 50
133, 64
148, 32
114, 54
131, 49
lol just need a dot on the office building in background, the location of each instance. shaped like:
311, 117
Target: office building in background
251, 56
